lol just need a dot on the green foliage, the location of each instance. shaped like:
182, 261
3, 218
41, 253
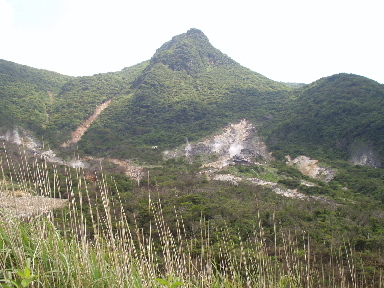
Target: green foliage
189, 89
362, 180
329, 116
289, 183
170, 282
79, 97
26, 95
26, 277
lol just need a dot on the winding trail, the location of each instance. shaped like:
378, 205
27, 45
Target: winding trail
79, 132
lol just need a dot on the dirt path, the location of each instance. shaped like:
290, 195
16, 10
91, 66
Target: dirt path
79, 132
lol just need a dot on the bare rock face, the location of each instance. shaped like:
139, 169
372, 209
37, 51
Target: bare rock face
309, 167
24, 138
131, 171
238, 143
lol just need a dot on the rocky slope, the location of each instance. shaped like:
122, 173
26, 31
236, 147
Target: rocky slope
310, 167
237, 143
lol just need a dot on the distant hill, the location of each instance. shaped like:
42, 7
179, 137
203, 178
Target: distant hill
336, 116
187, 91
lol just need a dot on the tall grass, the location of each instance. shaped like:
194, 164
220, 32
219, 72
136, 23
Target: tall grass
71, 248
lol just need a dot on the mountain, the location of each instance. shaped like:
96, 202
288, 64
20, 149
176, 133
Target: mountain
26, 95
230, 148
185, 92
188, 90
340, 116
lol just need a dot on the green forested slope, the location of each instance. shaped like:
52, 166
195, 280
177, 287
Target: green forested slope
79, 97
331, 115
26, 94
188, 90
52, 105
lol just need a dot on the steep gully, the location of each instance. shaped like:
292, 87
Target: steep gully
79, 132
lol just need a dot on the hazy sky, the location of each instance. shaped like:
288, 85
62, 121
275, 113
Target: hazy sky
285, 40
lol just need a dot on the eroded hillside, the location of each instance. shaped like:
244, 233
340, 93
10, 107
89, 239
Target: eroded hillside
238, 143
79, 132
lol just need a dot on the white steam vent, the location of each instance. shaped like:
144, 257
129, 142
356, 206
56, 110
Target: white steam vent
235, 149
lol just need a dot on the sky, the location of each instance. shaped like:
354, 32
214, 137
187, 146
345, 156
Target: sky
290, 41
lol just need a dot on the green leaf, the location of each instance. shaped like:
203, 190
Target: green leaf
25, 282
27, 272
162, 281
176, 284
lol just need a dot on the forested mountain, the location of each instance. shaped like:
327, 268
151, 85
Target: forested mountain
188, 90
247, 173
340, 116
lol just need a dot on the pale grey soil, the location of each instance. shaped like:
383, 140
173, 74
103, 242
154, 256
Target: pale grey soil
23, 205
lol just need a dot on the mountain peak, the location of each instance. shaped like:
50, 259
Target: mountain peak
197, 35
194, 31
191, 52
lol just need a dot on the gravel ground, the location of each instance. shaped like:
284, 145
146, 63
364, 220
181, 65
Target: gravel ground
24, 205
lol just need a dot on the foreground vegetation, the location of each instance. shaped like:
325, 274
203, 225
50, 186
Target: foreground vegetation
180, 229
123, 257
